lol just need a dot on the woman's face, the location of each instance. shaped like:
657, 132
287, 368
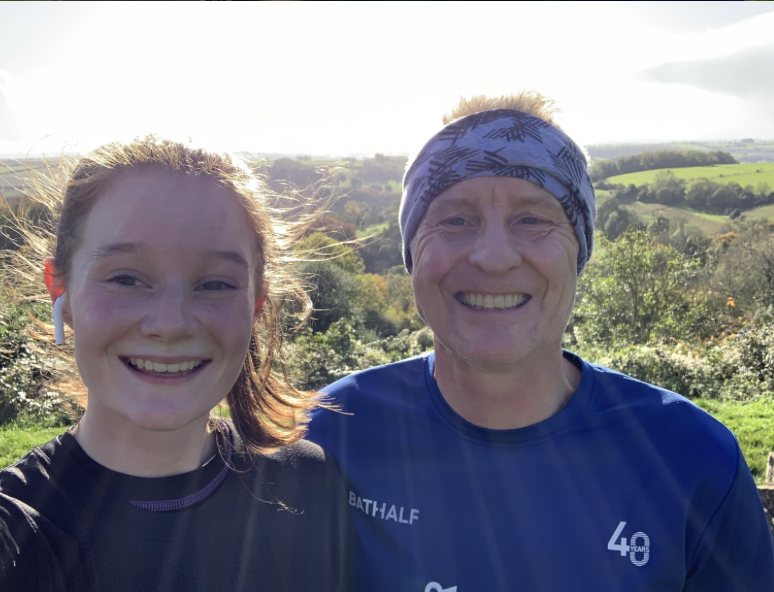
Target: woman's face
165, 273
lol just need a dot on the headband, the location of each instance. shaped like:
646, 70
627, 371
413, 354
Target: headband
501, 143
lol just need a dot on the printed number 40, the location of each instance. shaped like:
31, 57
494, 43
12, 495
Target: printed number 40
613, 546
634, 549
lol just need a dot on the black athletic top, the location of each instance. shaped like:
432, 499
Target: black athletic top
276, 522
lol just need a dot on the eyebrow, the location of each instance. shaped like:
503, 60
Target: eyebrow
113, 249
527, 200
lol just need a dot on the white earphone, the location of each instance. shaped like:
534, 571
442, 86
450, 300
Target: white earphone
58, 321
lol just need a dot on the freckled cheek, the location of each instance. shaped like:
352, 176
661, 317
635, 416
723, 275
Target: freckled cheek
104, 315
234, 322
100, 315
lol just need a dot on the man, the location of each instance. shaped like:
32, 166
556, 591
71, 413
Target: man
500, 462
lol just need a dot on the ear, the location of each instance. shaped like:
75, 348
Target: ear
53, 282
56, 288
259, 306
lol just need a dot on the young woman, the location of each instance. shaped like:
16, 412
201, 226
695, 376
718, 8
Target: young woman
165, 266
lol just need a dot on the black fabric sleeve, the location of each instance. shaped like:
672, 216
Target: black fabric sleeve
736, 551
26, 560
345, 541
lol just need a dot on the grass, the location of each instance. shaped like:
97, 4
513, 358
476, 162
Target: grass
16, 440
760, 212
707, 223
372, 230
744, 174
752, 423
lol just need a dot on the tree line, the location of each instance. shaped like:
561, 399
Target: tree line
703, 195
660, 159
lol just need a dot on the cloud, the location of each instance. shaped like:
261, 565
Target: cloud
696, 16
744, 74
9, 129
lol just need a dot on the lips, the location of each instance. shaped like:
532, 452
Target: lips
164, 375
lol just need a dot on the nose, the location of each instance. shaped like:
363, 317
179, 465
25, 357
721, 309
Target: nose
169, 316
495, 250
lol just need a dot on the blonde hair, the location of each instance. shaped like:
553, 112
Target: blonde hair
267, 410
529, 102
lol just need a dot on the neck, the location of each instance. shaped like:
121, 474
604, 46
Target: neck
511, 397
122, 446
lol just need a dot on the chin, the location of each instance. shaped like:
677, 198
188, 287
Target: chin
161, 418
490, 357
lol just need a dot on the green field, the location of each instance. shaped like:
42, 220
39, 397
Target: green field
372, 230
757, 151
744, 174
760, 212
707, 223
753, 425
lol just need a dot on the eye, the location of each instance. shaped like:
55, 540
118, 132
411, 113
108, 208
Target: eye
529, 220
456, 221
124, 280
217, 283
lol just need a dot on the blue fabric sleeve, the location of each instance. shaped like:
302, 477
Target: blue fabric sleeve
736, 551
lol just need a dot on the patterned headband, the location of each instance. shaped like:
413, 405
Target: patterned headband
503, 143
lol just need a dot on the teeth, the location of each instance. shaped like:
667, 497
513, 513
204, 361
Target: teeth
488, 302
148, 365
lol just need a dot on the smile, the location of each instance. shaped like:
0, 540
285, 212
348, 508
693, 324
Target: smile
165, 371
489, 302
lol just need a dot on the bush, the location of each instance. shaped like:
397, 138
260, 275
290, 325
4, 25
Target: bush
318, 359
662, 367
333, 292
738, 367
25, 372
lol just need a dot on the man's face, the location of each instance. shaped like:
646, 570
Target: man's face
495, 270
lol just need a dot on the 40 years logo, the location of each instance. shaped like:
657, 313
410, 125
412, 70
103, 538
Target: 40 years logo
638, 547
436, 587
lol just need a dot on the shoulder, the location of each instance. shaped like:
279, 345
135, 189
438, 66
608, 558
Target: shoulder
29, 499
302, 465
303, 455
379, 378
666, 421
27, 478
377, 397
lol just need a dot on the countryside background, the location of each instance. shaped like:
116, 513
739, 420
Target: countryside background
679, 292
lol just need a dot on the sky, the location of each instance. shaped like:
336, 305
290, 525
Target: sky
355, 78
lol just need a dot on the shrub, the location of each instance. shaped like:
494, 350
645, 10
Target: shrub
26, 372
318, 359
738, 367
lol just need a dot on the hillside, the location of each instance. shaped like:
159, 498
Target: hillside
744, 174
755, 151
13, 175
